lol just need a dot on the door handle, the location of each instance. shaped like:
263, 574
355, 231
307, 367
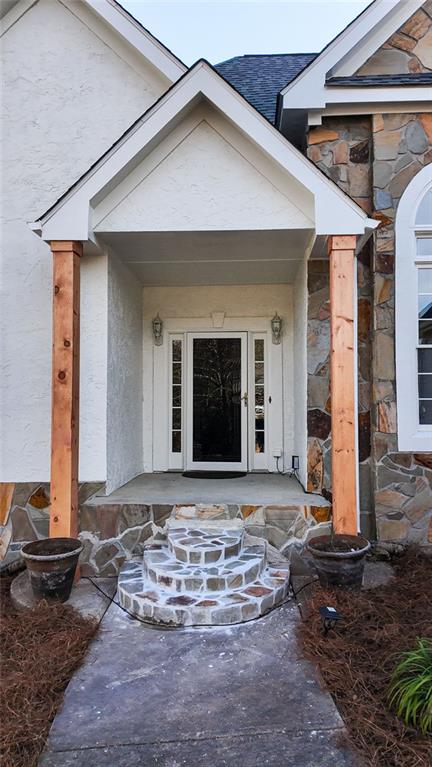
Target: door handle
245, 398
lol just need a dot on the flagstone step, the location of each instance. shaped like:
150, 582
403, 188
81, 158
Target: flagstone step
204, 546
162, 568
155, 604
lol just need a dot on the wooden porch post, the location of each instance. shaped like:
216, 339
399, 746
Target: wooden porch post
65, 389
343, 385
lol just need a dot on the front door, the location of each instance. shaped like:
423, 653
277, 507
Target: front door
217, 401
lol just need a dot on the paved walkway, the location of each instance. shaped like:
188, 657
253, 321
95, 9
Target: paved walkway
226, 697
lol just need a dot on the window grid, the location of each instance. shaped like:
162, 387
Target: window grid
424, 349
259, 392
176, 394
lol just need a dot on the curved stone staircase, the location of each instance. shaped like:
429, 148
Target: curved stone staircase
203, 572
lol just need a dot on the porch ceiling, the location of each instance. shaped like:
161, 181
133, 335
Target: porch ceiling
211, 258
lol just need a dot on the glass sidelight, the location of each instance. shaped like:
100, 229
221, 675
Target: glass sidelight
259, 390
176, 394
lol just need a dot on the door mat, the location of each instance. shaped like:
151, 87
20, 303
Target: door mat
214, 474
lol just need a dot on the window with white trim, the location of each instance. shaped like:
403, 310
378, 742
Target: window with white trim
413, 273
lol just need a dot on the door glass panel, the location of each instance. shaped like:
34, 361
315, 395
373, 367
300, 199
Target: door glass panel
217, 400
259, 396
176, 395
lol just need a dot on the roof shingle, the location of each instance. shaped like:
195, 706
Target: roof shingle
260, 77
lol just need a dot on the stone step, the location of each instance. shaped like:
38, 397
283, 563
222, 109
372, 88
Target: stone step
161, 567
158, 605
204, 546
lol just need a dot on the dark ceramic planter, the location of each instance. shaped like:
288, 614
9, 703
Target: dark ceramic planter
51, 564
341, 564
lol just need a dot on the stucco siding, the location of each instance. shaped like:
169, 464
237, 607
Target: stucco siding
125, 379
300, 367
69, 97
218, 187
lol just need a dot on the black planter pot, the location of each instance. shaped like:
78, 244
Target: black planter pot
340, 560
51, 564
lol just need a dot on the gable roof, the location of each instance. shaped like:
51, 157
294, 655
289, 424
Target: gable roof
309, 91
260, 77
121, 21
335, 212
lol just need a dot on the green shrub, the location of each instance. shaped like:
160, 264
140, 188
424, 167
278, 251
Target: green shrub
410, 692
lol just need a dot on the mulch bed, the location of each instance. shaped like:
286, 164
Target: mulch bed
356, 659
40, 650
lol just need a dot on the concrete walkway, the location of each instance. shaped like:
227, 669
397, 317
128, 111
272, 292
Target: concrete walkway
226, 697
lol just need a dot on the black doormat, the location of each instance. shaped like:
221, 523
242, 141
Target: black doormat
214, 474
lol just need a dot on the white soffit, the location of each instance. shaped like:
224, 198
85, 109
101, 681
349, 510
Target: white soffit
348, 51
119, 21
71, 219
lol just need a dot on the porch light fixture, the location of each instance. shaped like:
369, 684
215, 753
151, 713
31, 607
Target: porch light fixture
276, 328
157, 326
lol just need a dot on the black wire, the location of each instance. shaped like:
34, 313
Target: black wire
160, 626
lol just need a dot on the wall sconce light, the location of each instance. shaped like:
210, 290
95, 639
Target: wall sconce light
276, 328
157, 326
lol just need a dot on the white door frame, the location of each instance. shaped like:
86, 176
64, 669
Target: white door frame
178, 328
241, 465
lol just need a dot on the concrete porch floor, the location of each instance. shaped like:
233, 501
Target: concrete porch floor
172, 487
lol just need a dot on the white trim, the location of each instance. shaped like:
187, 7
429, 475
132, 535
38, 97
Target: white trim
144, 42
14, 14
275, 386
69, 219
411, 436
347, 52
315, 117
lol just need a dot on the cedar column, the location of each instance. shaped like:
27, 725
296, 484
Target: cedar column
65, 389
343, 370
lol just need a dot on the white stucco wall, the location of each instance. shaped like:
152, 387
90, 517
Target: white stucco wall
69, 96
300, 366
218, 184
237, 301
125, 376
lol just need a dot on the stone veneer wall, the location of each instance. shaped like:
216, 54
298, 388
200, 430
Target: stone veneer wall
113, 533
373, 160
342, 149
408, 50
402, 481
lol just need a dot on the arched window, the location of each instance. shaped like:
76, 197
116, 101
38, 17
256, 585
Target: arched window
414, 314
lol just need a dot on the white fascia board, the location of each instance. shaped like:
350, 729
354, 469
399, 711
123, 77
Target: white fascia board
378, 94
335, 212
151, 48
15, 12
359, 108
355, 44
367, 100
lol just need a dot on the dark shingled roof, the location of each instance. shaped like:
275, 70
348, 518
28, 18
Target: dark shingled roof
364, 81
260, 77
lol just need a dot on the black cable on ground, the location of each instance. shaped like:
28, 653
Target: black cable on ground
159, 626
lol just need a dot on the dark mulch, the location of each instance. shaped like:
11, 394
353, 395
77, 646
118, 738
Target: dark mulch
356, 660
40, 649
